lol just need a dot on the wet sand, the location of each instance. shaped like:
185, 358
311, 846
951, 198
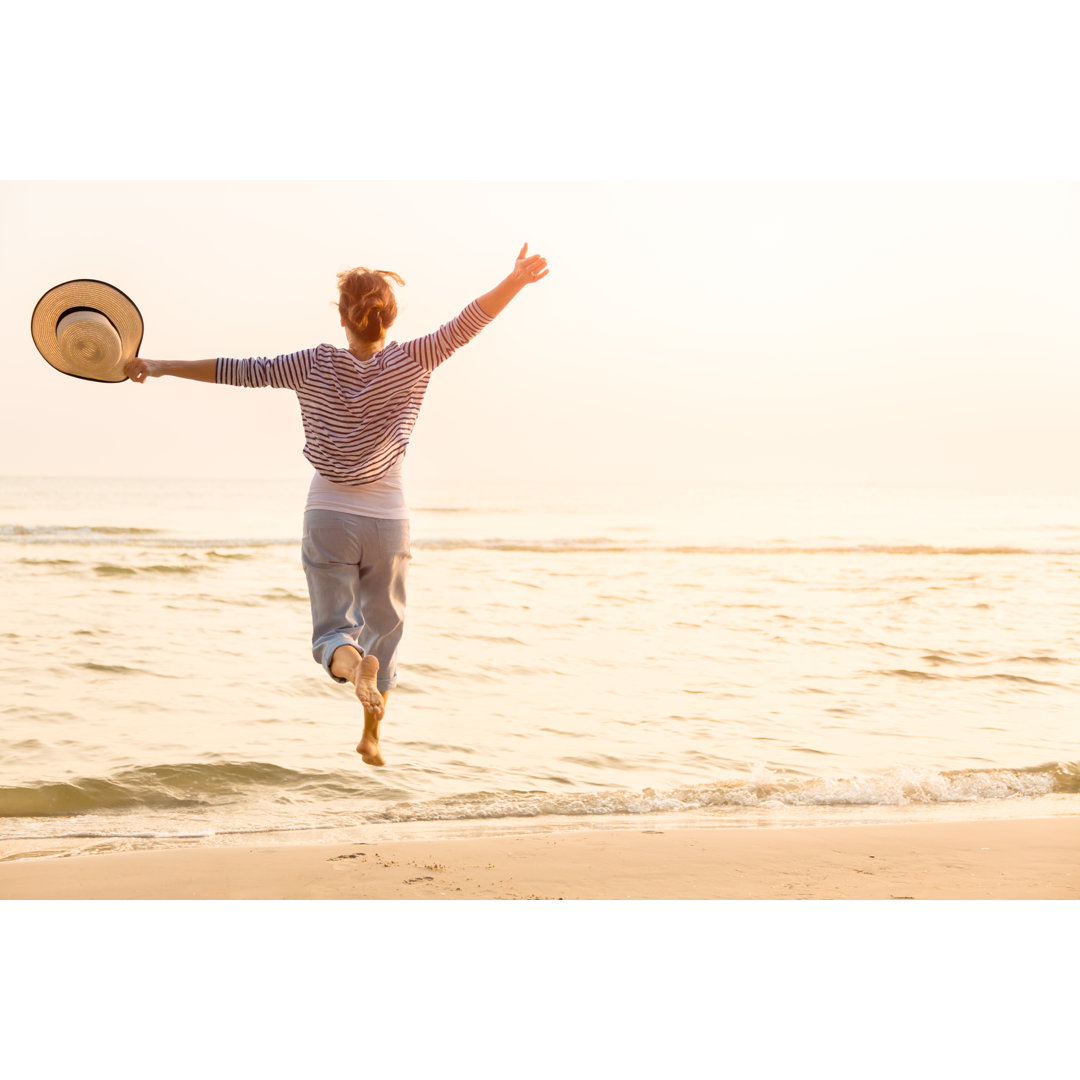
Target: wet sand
1004, 860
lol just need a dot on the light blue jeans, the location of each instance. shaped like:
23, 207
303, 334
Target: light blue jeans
355, 569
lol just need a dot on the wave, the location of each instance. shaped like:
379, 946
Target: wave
73, 533
900, 788
115, 570
146, 538
607, 545
989, 676
224, 548
154, 787
203, 785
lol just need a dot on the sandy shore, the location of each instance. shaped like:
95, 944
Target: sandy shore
1017, 860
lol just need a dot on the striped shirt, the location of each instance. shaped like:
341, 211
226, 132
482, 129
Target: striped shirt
358, 415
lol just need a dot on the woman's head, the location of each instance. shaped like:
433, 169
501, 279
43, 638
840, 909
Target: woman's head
366, 303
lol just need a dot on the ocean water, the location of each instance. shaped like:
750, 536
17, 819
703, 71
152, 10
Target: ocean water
736, 656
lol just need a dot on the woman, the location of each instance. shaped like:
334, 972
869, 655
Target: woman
359, 406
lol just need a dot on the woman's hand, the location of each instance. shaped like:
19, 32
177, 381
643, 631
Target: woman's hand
141, 369
529, 268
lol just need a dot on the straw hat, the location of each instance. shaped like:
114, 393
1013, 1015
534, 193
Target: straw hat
88, 329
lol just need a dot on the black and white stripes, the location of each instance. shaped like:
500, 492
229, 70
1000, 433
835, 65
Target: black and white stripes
358, 415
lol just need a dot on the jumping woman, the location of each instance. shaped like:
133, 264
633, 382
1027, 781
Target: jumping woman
359, 406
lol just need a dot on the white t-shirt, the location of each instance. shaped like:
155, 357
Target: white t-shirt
382, 498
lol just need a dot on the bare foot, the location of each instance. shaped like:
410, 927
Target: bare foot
367, 689
368, 746
362, 672
374, 703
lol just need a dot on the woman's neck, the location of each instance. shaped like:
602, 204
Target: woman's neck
364, 350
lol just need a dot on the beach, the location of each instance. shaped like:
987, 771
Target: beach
986, 860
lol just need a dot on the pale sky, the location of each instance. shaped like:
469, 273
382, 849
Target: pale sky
787, 243
688, 331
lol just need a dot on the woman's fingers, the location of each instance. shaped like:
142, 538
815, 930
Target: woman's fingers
534, 267
137, 370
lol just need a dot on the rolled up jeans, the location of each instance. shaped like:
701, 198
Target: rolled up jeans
355, 569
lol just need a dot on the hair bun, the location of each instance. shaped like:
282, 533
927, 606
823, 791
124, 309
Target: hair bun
367, 301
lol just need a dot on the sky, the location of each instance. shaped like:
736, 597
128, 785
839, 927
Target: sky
786, 245
689, 332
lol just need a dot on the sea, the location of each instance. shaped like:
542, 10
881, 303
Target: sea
747, 656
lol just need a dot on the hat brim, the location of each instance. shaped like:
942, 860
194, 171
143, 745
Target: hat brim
92, 295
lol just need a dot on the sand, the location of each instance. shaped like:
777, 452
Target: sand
1004, 860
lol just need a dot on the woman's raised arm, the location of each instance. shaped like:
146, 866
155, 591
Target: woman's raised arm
527, 269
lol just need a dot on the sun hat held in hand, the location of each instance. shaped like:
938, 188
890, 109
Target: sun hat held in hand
88, 329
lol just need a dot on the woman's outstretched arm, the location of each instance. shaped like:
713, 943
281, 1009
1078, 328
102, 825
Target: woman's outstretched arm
527, 269
288, 371
140, 369
432, 349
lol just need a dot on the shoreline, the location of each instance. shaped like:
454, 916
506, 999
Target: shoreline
1011, 859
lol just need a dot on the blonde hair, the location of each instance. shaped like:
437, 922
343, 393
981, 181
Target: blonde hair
367, 302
